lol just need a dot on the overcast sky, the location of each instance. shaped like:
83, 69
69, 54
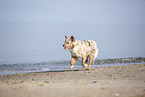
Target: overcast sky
34, 30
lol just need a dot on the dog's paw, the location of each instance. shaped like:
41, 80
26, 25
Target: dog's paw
86, 65
88, 68
72, 67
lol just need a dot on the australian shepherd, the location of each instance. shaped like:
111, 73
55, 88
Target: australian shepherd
86, 49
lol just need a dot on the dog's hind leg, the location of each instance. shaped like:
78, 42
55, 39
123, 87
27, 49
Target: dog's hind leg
90, 62
92, 56
84, 61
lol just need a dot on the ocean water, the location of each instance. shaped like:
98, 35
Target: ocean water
62, 65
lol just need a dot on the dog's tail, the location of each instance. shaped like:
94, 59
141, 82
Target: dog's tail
96, 50
96, 54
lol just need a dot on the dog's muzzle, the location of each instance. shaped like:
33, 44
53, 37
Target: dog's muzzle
65, 47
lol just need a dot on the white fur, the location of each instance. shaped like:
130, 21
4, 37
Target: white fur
72, 67
86, 65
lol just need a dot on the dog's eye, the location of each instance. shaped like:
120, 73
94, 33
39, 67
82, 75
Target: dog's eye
67, 42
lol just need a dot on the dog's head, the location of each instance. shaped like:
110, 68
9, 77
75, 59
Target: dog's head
69, 42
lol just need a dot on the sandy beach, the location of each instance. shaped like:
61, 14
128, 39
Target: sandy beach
113, 81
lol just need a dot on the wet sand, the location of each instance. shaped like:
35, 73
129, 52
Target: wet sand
113, 81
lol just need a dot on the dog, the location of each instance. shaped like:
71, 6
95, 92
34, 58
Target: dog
86, 49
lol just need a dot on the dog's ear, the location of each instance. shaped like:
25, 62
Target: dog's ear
72, 38
66, 37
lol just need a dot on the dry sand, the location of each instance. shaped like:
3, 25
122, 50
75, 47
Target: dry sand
115, 81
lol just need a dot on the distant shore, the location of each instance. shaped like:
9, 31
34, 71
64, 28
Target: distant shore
112, 81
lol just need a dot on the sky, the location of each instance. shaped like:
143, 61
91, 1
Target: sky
78, 11
34, 30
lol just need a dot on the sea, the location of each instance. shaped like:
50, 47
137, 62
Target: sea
14, 68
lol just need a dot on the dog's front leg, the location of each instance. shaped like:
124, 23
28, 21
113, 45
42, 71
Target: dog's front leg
72, 62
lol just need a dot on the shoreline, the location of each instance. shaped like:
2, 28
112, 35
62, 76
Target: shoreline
63, 70
111, 81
